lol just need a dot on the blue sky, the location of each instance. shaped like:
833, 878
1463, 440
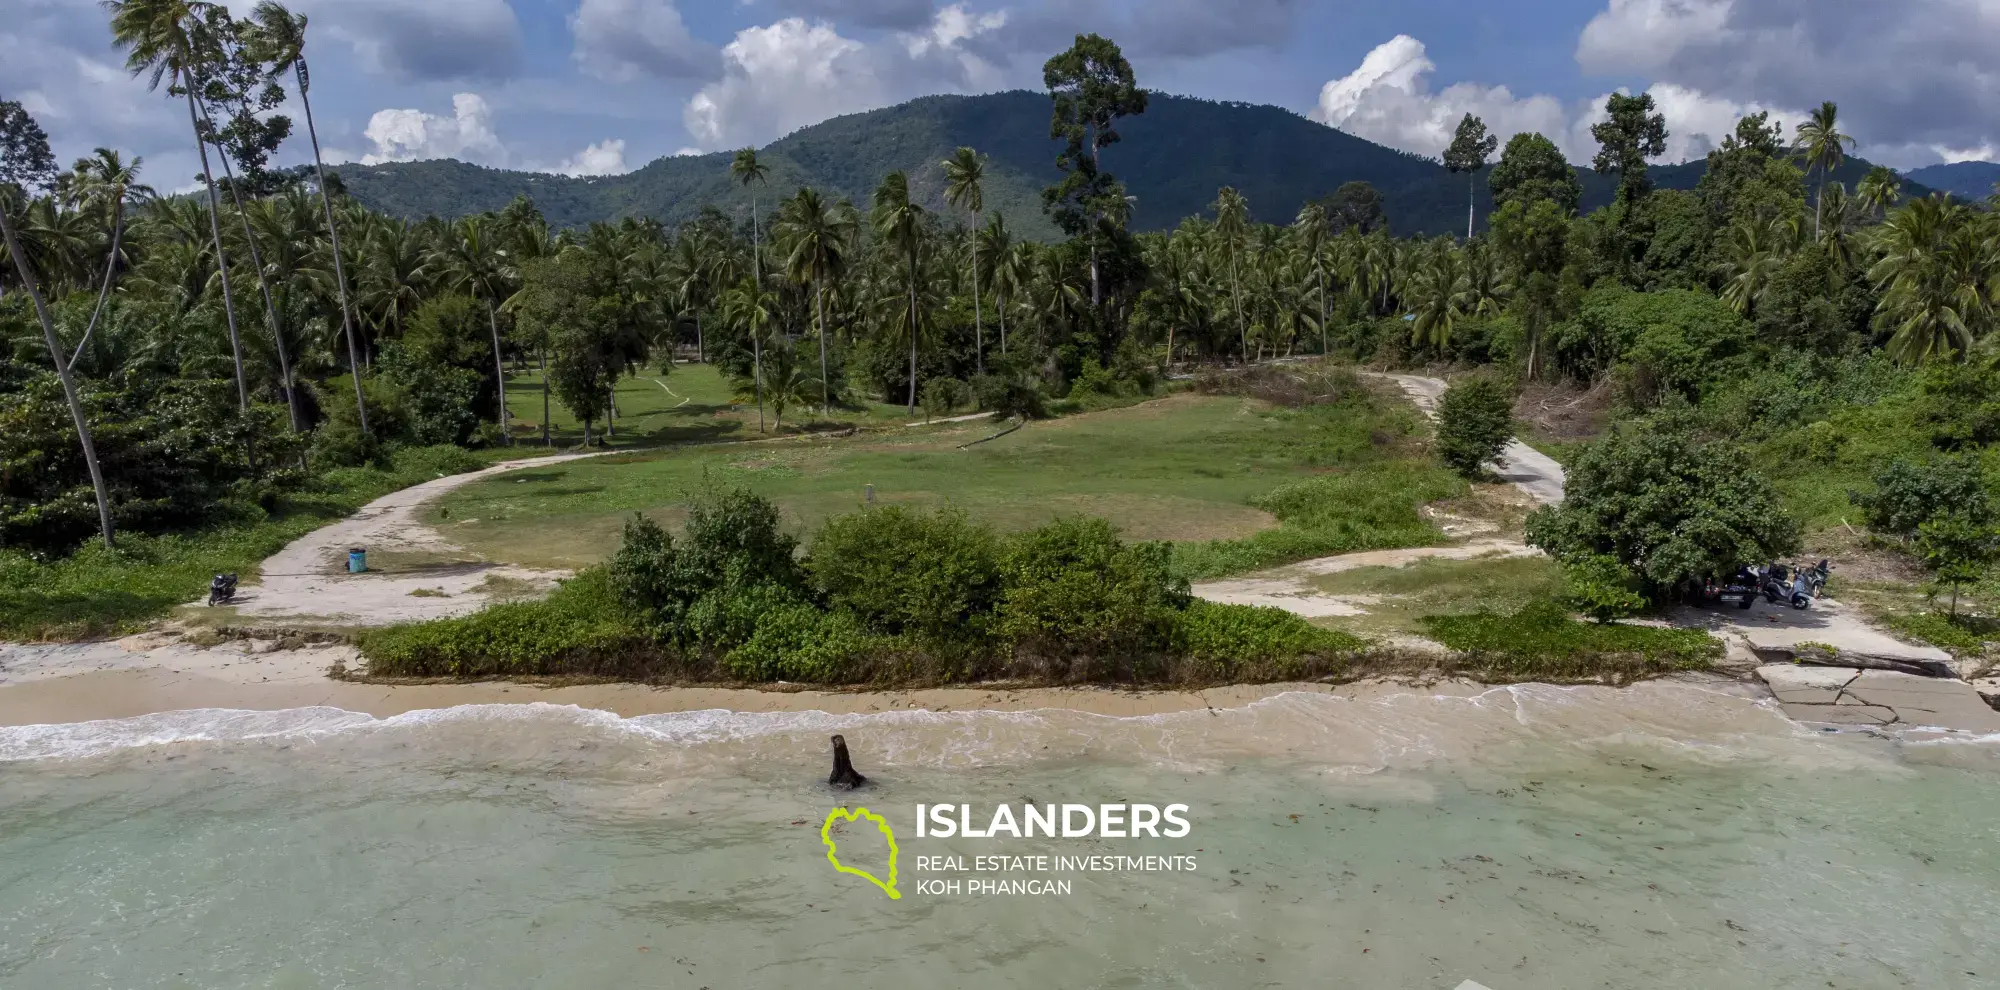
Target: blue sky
599, 86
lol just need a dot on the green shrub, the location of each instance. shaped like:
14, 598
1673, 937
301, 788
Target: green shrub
1475, 421
904, 571
1910, 493
1599, 586
1374, 507
1665, 504
579, 629
1542, 641
731, 546
1222, 643
1075, 591
800, 642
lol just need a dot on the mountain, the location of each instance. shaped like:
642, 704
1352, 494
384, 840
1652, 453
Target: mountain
1967, 180
1173, 159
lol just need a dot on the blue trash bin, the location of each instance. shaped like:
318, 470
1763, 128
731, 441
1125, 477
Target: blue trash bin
357, 561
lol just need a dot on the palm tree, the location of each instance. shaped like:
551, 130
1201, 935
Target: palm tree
746, 169
690, 273
282, 45
1931, 276
818, 236
964, 172
1232, 229
1437, 294
32, 164
1824, 148
1879, 190
1005, 268
256, 265
899, 223
1752, 255
783, 381
1312, 227
106, 177
749, 307
472, 262
161, 39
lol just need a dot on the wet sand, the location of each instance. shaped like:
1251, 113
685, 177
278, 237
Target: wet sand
42, 685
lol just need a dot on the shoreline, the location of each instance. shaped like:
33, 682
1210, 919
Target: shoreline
151, 674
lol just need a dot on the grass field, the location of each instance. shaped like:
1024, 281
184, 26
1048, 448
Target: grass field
1192, 469
691, 403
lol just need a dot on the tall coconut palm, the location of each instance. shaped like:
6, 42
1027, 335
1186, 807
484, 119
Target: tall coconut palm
1004, 272
748, 307
25, 162
964, 178
1824, 149
106, 178
162, 39
470, 261
748, 171
690, 272
1232, 232
818, 236
899, 224
1752, 253
1879, 190
1312, 228
1931, 277
281, 39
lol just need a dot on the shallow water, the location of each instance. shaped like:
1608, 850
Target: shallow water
1535, 837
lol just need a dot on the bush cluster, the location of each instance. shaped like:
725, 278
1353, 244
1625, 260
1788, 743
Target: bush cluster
888, 594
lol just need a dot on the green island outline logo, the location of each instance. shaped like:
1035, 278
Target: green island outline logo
832, 850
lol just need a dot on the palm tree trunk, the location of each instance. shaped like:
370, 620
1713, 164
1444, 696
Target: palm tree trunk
700, 349
546, 442
499, 371
819, 314
1236, 294
1000, 310
263, 282
611, 410
978, 322
110, 266
913, 339
62, 372
757, 372
221, 257
333, 235
1322, 314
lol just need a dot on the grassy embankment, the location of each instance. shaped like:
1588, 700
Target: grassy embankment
98, 592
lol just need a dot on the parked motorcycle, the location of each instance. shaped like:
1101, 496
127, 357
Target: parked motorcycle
1787, 586
222, 590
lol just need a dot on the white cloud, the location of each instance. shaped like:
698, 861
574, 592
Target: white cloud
606, 157
410, 135
1388, 99
1642, 35
784, 76
621, 40
1913, 78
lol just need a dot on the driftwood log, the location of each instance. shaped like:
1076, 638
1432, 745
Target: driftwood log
844, 775
996, 436
1866, 661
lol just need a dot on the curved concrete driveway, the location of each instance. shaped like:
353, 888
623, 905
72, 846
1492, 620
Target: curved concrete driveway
1529, 469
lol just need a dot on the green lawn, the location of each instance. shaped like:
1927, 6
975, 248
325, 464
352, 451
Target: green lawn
1270, 484
691, 403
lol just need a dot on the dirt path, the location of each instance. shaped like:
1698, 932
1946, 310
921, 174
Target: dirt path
1529, 469
420, 574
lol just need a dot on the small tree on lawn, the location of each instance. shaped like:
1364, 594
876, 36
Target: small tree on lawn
1959, 549
1666, 505
1475, 422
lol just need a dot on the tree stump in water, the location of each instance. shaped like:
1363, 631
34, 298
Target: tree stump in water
844, 775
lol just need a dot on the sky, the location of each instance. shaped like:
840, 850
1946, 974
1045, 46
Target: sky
595, 87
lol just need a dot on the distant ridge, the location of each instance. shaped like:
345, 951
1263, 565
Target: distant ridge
1173, 158
1966, 180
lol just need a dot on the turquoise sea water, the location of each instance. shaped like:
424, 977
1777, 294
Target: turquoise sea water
1662, 836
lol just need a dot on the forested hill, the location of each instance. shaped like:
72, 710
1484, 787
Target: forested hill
1173, 158
1966, 180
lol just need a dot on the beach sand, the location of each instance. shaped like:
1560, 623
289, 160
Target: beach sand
147, 675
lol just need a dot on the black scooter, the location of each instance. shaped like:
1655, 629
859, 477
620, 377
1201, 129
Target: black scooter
1788, 586
222, 590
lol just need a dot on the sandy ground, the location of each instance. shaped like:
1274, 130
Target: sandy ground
307, 581
145, 675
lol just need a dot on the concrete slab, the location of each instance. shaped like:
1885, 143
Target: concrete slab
1930, 701
1796, 684
1841, 714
